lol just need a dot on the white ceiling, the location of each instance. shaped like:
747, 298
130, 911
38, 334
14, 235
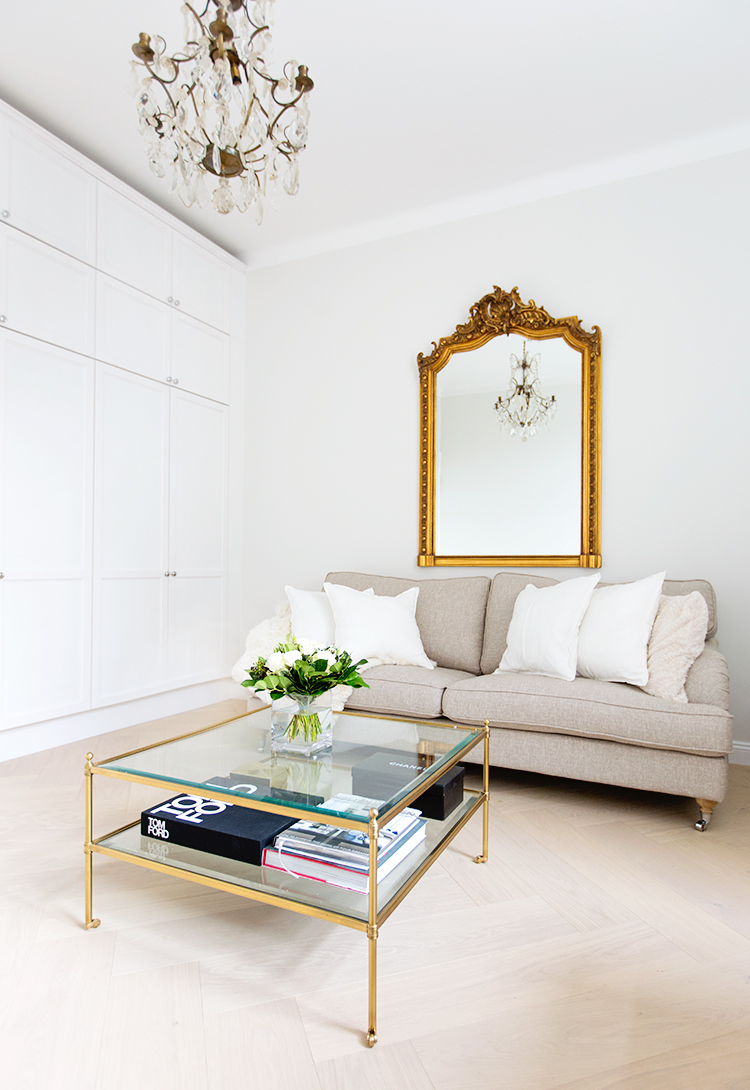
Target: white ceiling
422, 110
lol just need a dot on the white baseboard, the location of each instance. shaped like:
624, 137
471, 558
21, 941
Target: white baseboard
19, 741
741, 754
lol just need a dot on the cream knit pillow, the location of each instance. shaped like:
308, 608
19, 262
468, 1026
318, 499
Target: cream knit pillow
677, 639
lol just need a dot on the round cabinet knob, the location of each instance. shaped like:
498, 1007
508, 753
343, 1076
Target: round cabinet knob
169, 378
177, 302
3, 318
5, 214
174, 573
176, 381
166, 573
2, 575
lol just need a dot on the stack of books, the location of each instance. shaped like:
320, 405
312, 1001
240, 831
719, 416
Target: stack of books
341, 857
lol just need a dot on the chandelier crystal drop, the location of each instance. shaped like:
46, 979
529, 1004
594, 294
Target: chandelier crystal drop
216, 123
524, 411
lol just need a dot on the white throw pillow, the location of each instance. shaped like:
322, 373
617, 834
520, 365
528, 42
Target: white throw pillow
374, 626
677, 639
543, 631
312, 616
615, 631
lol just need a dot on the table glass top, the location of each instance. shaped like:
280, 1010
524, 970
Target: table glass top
375, 759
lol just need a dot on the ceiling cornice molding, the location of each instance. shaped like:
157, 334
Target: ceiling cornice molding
587, 176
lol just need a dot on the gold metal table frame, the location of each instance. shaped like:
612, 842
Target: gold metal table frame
374, 920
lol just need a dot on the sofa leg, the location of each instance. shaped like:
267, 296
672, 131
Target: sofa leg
707, 809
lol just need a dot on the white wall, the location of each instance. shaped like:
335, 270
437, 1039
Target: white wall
659, 262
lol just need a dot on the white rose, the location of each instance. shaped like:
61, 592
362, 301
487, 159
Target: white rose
290, 657
307, 647
324, 653
275, 662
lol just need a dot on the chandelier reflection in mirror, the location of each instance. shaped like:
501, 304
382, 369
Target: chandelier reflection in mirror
524, 411
213, 114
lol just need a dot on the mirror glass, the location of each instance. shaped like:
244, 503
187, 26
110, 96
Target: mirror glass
502, 493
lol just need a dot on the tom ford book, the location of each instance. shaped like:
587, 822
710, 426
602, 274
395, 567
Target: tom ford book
212, 826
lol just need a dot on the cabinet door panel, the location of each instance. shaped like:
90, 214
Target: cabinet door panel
47, 448
132, 329
46, 293
130, 648
197, 485
201, 283
130, 540
133, 245
45, 520
198, 446
45, 637
196, 625
200, 358
46, 194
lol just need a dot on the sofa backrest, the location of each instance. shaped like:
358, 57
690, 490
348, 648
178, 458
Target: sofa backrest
450, 613
506, 586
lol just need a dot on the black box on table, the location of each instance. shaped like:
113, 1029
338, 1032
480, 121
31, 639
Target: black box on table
212, 826
383, 774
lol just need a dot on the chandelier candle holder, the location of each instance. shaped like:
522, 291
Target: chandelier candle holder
524, 411
212, 114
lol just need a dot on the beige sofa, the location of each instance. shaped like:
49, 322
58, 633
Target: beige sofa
590, 730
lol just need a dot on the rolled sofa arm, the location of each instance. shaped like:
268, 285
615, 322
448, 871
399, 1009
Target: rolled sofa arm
708, 678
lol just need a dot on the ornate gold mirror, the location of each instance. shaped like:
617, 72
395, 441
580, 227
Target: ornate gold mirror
510, 440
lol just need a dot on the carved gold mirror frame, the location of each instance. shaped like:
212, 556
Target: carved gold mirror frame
498, 314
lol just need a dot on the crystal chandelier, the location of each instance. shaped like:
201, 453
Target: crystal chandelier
213, 114
524, 411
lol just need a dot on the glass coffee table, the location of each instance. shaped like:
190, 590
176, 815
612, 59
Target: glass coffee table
239, 751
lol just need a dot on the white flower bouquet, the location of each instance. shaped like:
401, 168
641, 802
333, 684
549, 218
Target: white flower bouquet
299, 669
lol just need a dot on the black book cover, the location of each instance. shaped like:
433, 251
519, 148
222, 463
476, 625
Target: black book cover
212, 826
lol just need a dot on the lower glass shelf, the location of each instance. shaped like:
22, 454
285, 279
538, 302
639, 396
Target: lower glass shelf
307, 891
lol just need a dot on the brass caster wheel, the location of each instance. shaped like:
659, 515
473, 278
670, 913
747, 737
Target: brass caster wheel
371, 1038
480, 858
94, 923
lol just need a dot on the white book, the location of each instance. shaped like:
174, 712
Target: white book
301, 867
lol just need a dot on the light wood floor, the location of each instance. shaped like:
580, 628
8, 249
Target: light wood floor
606, 944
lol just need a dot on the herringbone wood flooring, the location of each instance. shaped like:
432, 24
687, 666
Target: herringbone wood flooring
605, 945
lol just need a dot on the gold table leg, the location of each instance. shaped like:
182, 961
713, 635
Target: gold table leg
486, 789
372, 934
372, 982
90, 921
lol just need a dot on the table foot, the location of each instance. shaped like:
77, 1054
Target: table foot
480, 858
94, 923
371, 1038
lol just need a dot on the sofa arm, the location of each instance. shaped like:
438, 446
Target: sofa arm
708, 678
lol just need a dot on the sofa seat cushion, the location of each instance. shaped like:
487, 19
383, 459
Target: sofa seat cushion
590, 709
450, 613
405, 690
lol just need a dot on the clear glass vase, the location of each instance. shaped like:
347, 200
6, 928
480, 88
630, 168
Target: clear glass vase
302, 724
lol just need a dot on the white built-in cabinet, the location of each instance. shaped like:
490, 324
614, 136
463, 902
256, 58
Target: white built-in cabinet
160, 536
118, 341
46, 194
136, 247
46, 293
141, 334
46, 475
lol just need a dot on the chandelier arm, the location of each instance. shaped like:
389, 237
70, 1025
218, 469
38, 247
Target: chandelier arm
197, 112
163, 83
257, 31
281, 112
199, 18
168, 82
